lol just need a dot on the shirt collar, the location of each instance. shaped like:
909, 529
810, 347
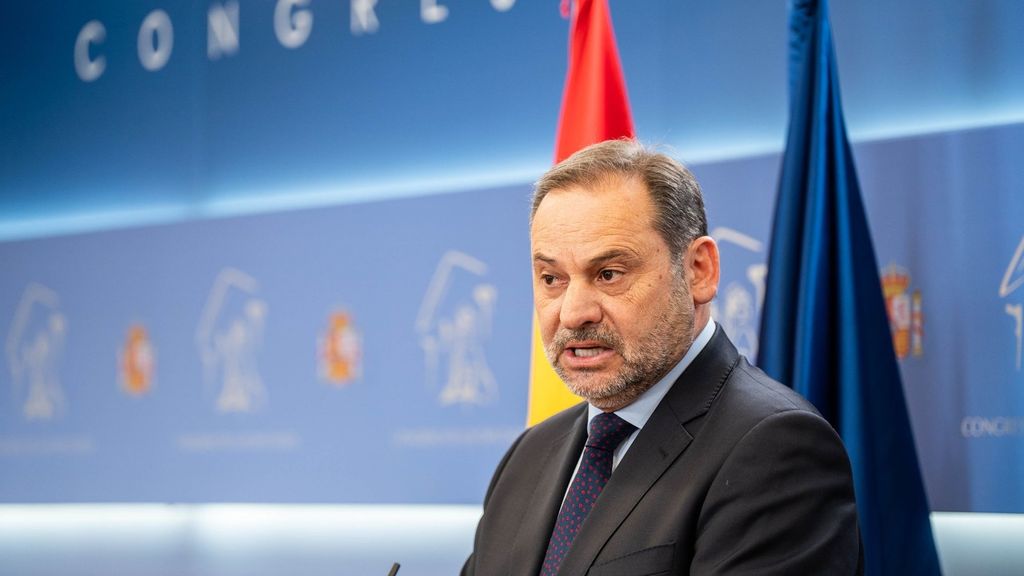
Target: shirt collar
639, 411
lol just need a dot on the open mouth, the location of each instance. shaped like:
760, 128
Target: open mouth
588, 352
586, 356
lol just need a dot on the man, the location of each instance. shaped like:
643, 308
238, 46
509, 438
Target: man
696, 462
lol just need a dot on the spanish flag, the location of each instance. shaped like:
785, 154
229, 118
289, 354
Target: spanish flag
594, 108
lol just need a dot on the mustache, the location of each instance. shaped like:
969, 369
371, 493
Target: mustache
605, 338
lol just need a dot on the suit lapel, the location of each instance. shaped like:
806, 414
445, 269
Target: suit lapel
531, 541
658, 445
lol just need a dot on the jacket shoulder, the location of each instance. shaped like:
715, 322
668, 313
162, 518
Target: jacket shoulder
750, 391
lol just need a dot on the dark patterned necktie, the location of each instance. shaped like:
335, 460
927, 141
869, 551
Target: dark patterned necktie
607, 431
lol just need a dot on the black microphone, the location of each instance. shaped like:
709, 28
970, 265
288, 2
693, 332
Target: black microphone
394, 569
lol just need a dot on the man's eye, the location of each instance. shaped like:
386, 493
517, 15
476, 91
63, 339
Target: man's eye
609, 275
547, 279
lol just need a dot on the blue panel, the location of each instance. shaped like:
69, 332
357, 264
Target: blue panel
947, 219
366, 353
407, 108
947, 215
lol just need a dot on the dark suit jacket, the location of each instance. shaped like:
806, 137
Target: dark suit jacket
733, 474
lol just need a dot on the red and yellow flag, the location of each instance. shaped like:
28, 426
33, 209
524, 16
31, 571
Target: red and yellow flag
594, 108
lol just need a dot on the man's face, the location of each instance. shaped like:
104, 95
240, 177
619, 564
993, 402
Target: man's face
615, 311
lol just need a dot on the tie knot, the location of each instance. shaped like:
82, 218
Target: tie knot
607, 431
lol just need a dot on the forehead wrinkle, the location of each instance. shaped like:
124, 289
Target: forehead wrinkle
581, 230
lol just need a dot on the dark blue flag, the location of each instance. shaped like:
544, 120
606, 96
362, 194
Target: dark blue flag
824, 328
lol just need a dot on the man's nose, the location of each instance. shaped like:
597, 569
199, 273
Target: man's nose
580, 306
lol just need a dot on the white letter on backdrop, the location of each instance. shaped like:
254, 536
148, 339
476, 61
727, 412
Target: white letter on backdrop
292, 28
156, 40
222, 30
92, 33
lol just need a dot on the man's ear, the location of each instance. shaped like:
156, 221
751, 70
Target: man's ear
702, 263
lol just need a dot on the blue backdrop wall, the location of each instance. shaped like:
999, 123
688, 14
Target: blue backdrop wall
275, 251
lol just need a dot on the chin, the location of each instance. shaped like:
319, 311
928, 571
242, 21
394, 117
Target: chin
600, 391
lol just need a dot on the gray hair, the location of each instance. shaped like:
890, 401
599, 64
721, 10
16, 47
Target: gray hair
679, 206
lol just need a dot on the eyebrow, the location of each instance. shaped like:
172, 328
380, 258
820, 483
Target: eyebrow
596, 260
545, 259
613, 254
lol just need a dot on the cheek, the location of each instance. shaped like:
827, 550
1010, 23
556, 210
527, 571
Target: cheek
633, 314
547, 310
639, 298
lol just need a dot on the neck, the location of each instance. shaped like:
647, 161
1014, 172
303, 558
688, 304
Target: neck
701, 317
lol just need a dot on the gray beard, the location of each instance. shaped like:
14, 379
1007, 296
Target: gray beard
653, 356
